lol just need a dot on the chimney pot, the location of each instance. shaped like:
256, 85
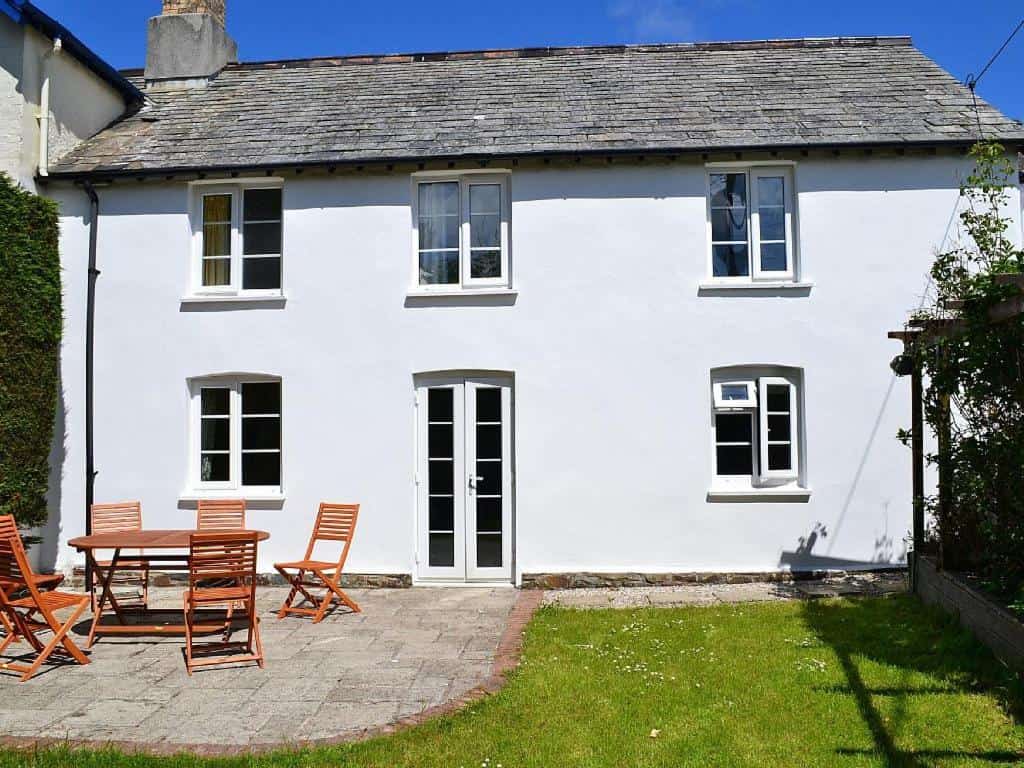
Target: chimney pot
215, 8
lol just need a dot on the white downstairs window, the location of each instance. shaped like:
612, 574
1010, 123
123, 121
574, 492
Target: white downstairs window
238, 240
751, 224
236, 434
460, 232
755, 429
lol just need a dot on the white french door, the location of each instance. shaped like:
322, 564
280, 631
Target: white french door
464, 478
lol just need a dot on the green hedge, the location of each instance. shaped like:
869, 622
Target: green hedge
30, 328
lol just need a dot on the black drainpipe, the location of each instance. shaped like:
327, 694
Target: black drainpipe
90, 312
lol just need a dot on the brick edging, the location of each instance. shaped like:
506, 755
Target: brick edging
506, 658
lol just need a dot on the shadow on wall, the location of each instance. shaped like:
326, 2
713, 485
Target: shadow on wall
45, 552
902, 639
803, 557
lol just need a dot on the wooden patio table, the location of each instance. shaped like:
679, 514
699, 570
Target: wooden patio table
166, 541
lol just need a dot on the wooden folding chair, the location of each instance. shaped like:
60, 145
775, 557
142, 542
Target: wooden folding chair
229, 559
334, 522
34, 613
220, 515
118, 518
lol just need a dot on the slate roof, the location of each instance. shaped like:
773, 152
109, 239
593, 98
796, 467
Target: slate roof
651, 98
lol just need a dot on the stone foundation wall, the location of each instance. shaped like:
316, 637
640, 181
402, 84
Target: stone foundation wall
348, 580
992, 624
590, 580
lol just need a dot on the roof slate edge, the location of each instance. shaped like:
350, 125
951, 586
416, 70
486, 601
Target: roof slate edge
381, 161
551, 51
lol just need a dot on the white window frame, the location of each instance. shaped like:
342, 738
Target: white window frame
722, 404
465, 180
234, 385
753, 173
236, 190
762, 436
759, 378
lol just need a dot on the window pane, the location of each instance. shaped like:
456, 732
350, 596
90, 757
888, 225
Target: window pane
442, 476
216, 209
773, 223
216, 272
261, 238
261, 273
440, 404
773, 257
735, 460
733, 428
780, 457
485, 215
262, 205
439, 215
442, 550
216, 434
488, 477
215, 468
730, 261
217, 239
729, 224
488, 404
439, 268
728, 190
488, 515
778, 398
442, 514
488, 551
488, 441
440, 442
485, 264
215, 401
261, 432
261, 468
778, 428
735, 392
771, 190
261, 398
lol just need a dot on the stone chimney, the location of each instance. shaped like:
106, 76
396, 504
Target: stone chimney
188, 44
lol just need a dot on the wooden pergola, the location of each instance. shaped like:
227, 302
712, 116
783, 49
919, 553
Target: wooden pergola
919, 333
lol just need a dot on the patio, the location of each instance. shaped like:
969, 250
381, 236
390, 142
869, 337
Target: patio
409, 650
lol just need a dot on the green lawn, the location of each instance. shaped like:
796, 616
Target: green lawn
828, 683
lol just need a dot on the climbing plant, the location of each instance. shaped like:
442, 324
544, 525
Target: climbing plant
974, 369
30, 329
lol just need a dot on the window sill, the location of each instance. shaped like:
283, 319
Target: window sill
712, 287
234, 298
447, 293
191, 497
799, 495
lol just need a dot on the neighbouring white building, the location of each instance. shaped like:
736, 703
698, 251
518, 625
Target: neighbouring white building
543, 313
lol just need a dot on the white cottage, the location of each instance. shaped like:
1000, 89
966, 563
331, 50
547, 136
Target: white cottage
550, 315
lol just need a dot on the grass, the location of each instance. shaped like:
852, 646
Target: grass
827, 683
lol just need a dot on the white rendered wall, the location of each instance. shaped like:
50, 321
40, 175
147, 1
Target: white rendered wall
609, 341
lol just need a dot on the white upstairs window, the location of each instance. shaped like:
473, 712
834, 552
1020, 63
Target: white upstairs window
755, 429
461, 232
236, 434
751, 224
238, 240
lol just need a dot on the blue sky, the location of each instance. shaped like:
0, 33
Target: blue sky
961, 37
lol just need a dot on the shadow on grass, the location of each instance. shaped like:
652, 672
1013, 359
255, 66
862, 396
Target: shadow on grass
903, 633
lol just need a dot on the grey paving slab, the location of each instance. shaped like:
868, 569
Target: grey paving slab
410, 649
